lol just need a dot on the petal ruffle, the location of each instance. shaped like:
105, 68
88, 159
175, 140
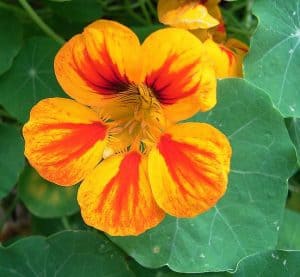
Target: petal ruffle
188, 169
93, 67
64, 140
178, 72
185, 14
116, 198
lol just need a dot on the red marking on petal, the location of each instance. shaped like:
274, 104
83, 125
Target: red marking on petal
228, 53
103, 77
79, 139
168, 85
221, 28
183, 165
127, 182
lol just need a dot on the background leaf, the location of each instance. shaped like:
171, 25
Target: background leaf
45, 199
273, 63
30, 79
69, 253
270, 263
10, 39
263, 159
289, 235
293, 126
11, 158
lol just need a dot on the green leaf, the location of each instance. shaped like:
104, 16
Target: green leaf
289, 235
69, 253
11, 158
247, 218
30, 79
273, 63
10, 39
45, 199
270, 263
77, 10
293, 125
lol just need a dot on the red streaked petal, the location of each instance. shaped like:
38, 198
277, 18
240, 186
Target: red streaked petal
188, 169
64, 140
99, 63
178, 73
116, 198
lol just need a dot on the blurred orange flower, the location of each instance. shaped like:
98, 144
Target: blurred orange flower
204, 19
119, 134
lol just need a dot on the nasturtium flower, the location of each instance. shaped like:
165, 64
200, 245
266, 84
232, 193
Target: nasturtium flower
204, 19
120, 135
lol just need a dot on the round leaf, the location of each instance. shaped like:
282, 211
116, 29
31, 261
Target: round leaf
270, 263
11, 158
30, 79
273, 63
45, 199
247, 218
69, 253
10, 39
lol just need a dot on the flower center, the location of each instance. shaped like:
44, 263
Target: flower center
144, 122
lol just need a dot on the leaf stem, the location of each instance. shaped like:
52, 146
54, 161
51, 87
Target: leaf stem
34, 16
66, 223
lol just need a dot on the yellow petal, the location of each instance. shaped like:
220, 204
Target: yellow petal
223, 59
185, 14
64, 140
178, 73
117, 199
188, 169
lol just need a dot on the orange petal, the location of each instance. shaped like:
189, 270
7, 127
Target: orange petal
188, 170
116, 198
178, 73
64, 140
224, 59
99, 63
185, 14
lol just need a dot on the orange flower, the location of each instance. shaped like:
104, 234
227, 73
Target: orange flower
204, 19
119, 135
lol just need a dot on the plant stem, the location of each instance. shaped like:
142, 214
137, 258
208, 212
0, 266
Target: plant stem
34, 16
145, 12
66, 223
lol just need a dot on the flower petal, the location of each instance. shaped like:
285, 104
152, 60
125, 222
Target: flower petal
116, 198
64, 140
224, 59
240, 49
188, 169
99, 63
185, 14
179, 73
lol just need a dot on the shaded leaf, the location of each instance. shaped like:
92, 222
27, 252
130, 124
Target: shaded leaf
11, 158
30, 79
263, 159
69, 253
45, 199
10, 39
77, 10
273, 63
